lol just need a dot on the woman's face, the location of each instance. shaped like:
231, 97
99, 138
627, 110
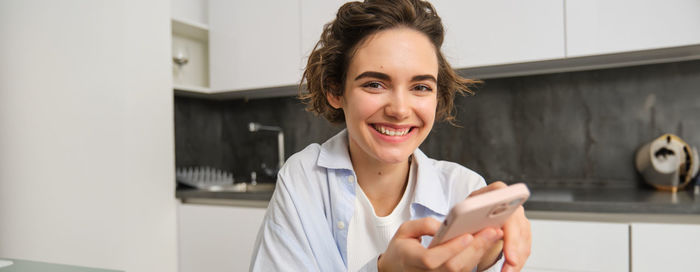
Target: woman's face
390, 95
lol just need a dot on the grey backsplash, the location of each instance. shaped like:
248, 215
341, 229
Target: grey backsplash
576, 129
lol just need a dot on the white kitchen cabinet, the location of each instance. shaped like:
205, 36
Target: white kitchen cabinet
482, 33
595, 27
578, 246
478, 33
257, 45
216, 238
664, 247
253, 44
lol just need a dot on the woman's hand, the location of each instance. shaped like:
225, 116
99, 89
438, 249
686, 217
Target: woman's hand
517, 237
406, 253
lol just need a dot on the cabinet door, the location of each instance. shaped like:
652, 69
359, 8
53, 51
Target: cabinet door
216, 238
578, 246
482, 33
253, 44
610, 26
665, 247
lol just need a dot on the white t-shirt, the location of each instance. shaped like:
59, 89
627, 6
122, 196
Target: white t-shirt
368, 234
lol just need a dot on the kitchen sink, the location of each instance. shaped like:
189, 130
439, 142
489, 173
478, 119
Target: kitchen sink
242, 187
260, 187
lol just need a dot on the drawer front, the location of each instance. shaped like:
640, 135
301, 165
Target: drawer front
665, 247
578, 246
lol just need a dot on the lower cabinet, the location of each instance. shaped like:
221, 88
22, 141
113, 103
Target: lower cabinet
216, 238
578, 246
221, 238
665, 247
597, 246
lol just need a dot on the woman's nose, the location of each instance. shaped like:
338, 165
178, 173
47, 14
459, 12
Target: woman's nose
398, 106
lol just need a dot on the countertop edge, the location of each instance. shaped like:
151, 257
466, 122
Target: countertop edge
609, 201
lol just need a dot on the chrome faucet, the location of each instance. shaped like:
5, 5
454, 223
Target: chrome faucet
253, 127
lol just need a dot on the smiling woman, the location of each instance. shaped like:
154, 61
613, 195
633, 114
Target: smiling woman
368, 198
389, 107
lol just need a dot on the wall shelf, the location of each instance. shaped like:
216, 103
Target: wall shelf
191, 88
191, 40
190, 29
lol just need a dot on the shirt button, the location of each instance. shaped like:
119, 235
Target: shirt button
341, 224
351, 179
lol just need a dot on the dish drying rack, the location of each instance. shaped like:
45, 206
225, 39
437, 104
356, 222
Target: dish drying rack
205, 177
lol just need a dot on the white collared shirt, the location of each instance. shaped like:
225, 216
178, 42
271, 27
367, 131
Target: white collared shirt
306, 224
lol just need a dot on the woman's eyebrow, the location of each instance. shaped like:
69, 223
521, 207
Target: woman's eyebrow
424, 77
378, 75
384, 76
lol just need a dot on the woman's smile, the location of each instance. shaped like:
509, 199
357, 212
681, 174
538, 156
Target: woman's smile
392, 131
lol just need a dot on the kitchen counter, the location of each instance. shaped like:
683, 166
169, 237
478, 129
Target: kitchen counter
609, 200
205, 194
613, 200
229, 198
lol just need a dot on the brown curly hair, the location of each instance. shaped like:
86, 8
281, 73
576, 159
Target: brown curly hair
355, 21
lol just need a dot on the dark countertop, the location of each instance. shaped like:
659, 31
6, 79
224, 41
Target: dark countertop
608, 200
205, 194
613, 200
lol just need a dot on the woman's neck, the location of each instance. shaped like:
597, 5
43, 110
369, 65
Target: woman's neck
383, 183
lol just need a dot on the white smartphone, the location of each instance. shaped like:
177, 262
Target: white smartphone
490, 209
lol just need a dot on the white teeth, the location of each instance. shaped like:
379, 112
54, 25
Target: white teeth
391, 132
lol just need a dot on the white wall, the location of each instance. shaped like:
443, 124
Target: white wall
86, 133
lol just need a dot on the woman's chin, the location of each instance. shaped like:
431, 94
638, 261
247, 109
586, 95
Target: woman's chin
394, 158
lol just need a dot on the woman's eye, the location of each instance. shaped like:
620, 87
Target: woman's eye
373, 85
423, 88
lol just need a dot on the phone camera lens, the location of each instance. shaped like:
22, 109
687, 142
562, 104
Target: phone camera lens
498, 210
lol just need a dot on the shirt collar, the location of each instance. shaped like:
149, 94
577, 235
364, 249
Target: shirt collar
430, 186
334, 152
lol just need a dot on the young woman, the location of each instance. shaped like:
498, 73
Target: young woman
368, 199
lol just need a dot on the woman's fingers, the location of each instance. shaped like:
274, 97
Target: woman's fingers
518, 239
482, 244
436, 256
493, 186
417, 228
418, 256
405, 251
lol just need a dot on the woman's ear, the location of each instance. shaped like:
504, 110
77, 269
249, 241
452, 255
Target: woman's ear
335, 101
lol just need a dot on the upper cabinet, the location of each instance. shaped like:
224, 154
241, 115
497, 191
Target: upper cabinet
254, 44
597, 27
482, 33
260, 48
